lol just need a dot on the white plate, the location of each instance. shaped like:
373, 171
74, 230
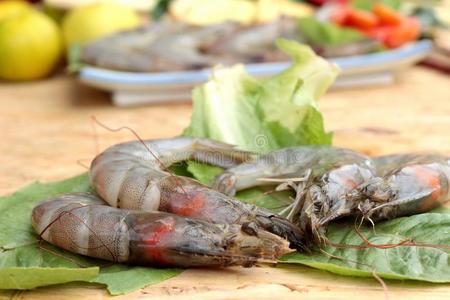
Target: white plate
377, 68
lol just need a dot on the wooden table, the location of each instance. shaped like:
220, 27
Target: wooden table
47, 135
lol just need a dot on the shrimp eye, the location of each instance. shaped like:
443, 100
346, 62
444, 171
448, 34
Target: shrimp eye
250, 228
378, 190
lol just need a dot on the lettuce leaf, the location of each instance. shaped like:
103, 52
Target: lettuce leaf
262, 115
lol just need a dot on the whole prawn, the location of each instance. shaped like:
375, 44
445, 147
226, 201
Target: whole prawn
133, 175
411, 183
331, 183
84, 224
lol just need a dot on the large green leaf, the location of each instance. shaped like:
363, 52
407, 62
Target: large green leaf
400, 262
25, 263
31, 277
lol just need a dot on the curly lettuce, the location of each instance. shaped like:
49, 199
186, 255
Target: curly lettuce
263, 115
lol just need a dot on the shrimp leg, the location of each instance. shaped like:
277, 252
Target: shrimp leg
325, 181
284, 164
84, 224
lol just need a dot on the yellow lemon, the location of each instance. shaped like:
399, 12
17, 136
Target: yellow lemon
30, 46
88, 23
11, 7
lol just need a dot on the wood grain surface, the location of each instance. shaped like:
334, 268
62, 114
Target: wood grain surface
47, 135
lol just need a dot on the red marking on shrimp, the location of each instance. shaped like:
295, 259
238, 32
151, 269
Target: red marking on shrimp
350, 183
187, 204
153, 239
345, 177
429, 178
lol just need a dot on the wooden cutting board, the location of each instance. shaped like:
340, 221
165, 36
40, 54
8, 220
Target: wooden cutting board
47, 135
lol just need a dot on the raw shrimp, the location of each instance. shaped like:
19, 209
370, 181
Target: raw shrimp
84, 224
172, 46
322, 177
413, 183
157, 47
331, 183
133, 175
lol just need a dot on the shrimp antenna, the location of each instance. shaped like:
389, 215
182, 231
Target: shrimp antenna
163, 167
95, 134
41, 247
96, 146
374, 274
94, 119
70, 212
407, 242
82, 164
268, 193
382, 283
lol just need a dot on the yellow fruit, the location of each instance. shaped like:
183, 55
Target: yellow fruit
270, 10
11, 7
88, 23
30, 46
200, 12
295, 9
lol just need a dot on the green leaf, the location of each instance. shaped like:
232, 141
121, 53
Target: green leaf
25, 263
266, 197
442, 210
367, 4
263, 115
404, 262
29, 277
15, 224
160, 9
202, 172
319, 33
122, 279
